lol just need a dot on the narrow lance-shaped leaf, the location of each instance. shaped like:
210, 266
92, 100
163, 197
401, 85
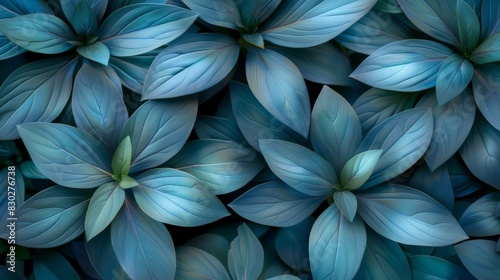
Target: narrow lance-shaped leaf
359, 168
246, 255
122, 158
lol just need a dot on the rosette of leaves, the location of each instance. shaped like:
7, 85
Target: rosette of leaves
117, 155
460, 64
119, 37
351, 173
284, 42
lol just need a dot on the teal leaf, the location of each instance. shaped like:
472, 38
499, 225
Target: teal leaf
490, 17
132, 69
139, 28
210, 127
299, 24
254, 121
276, 204
431, 267
41, 33
98, 7
253, 13
406, 65
214, 244
97, 52
376, 105
103, 207
192, 64
196, 264
480, 258
143, 246
388, 6
102, 256
52, 217
246, 255
97, 105
480, 219
336, 246
222, 13
359, 168
408, 216
453, 77
299, 167
83, 19
279, 86
292, 242
122, 157
222, 166
404, 138
452, 123
437, 184
67, 155
335, 128
347, 203
29, 170
12, 8
177, 198
158, 130
254, 39
127, 182
485, 86
487, 51
35, 92
52, 265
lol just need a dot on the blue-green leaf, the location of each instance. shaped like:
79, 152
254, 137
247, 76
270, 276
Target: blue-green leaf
214, 244
404, 138
253, 13
480, 218
452, 123
102, 256
52, 217
490, 18
158, 130
122, 158
488, 50
222, 166
376, 105
300, 24
336, 246
359, 168
178, 198
66, 155
453, 77
430, 267
275, 204
254, 121
196, 264
98, 7
192, 64
142, 245
97, 52
462, 180
132, 70
218, 12
406, 65
103, 207
254, 39
480, 258
346, 202
481, 154
292, 242
83, 19
299, 167
52, 265
279, 86
35, 92
139, 28
29, 170
335, 128
371, 32
41, 33
437, 184
383, 259
323, 64
209, 127
408, 216
98, 105
246, 256
388, 6
485, 86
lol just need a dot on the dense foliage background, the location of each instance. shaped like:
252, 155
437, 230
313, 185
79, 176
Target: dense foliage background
237, 139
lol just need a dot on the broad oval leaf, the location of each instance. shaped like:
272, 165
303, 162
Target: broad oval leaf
196, 264
292, 243
35, 92
219, 12
158, 130
301, 24
177, 198
480, 218
431, 267
335, 128
406, 65
279, 86
222, 166
336, 246
453, 77
209, 127
359, 168
437, 184
103, 207
192, 64
97, 52
66, 155
143, 246
480, 258
347, 203
404, 138
275, 204
408, 216
52, 217
139, 28
452, 123
246, 255
490, 17
488, 50
52, 265
98, 106
485, 86
299, 167
481, 154
39, 32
